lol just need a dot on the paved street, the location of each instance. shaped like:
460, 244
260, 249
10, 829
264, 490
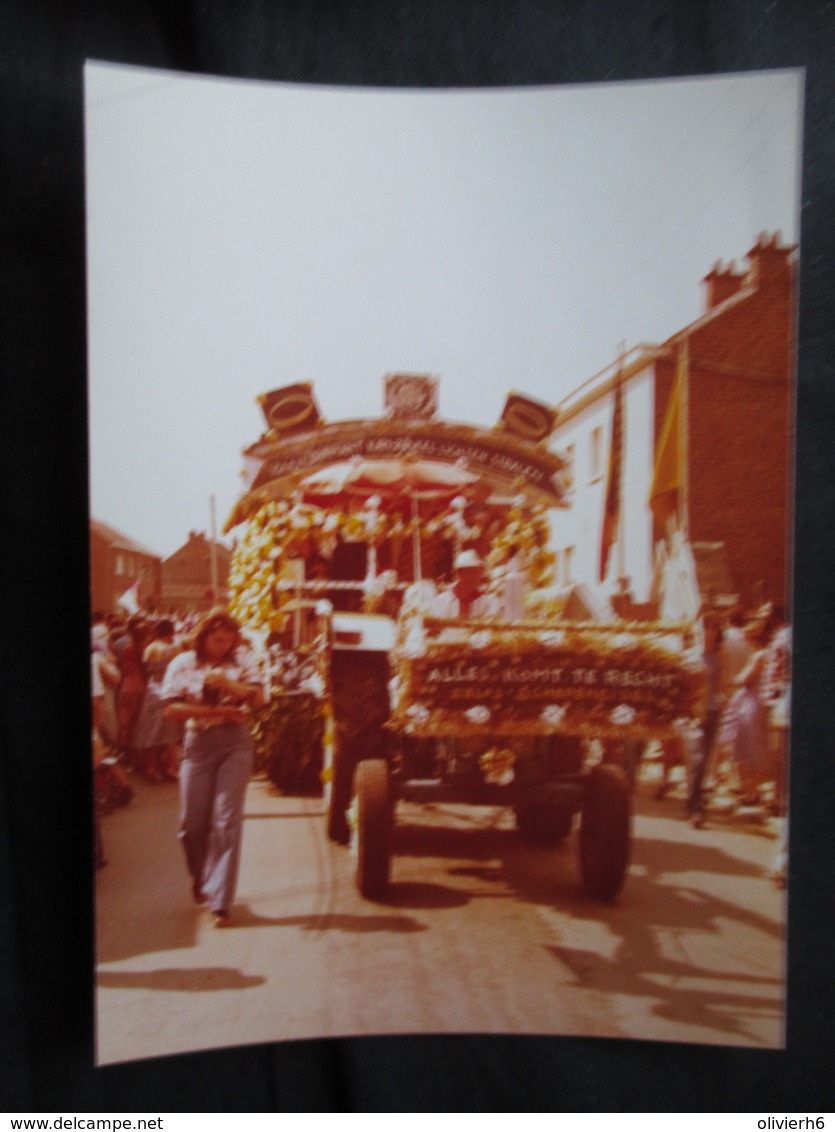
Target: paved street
482, 932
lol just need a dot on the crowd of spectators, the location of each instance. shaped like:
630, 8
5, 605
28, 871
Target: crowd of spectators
130, 733
737, 760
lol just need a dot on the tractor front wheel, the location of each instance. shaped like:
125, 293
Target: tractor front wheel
375, 818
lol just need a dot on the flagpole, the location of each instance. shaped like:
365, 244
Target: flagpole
621, 532
611, 534
684, 423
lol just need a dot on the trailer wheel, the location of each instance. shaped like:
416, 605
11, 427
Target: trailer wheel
542, 823
605, 832
375, 816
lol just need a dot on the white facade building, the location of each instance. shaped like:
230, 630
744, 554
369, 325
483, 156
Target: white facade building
583, 434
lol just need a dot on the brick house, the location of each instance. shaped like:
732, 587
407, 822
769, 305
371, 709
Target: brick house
117, 562
187, 581
739, 431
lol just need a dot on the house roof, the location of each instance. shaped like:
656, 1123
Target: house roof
120, 540
198, 546
645, 354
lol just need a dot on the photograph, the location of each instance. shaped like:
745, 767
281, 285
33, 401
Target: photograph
441, 469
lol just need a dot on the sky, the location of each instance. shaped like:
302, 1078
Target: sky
242, 236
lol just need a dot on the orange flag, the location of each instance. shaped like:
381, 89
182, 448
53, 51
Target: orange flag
667, 475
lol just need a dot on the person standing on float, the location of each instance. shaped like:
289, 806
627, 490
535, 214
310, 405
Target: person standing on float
213, 687
467, 596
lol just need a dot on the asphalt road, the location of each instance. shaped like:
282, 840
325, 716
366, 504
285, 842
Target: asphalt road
482, 933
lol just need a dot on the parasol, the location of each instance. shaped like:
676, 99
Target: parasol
394, 480
400, 480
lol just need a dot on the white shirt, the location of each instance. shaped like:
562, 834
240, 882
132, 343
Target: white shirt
185, 676
735, 653
97, 681
446, 604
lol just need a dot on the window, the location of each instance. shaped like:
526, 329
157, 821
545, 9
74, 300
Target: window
119, 568
567, 564
568, 474
596, 453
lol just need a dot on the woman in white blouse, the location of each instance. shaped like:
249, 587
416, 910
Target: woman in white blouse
212, 687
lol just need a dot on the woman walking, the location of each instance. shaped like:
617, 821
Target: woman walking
212, 687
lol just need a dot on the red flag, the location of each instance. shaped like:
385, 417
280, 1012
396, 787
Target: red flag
665, 493
611, 510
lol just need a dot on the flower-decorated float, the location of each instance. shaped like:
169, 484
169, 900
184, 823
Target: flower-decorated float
346, 534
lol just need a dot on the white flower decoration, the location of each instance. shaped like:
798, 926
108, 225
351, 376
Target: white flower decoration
553, 714
624, 640
415, 642
552, 638
688, 728
622, 714
669, 643
480, 640
478, 714
314, 684
418, 713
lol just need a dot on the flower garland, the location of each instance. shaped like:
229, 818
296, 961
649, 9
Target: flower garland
576, 679
529, 532
281, 530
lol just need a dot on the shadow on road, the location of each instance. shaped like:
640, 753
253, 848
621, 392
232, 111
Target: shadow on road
693, 954
474, 843
660, 857
666, 929
648, 976
418, 894
189, 979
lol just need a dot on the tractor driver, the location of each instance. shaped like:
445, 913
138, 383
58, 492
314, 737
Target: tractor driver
467, 596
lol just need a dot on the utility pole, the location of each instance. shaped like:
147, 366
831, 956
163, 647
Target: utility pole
213, 545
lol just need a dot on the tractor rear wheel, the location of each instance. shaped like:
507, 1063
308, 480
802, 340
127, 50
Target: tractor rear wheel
605, 832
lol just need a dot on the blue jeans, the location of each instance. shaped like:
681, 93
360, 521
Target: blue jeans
216, 768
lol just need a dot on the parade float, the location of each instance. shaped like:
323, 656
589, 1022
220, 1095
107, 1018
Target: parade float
345, 535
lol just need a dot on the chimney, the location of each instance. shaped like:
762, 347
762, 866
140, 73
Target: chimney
721, 283
769, 262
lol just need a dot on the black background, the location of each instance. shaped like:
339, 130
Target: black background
46, 1059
